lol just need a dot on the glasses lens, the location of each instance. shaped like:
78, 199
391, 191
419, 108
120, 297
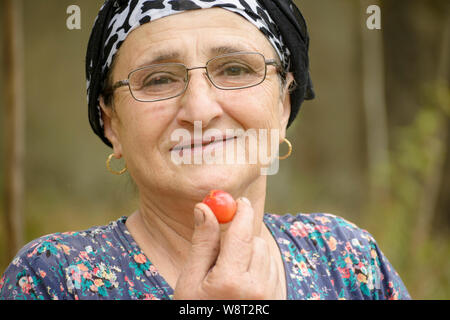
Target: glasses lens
238, 70
158, 82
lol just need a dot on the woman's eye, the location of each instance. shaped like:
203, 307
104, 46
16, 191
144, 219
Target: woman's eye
158, 81
236, 71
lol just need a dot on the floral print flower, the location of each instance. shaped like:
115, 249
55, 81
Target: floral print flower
140, 258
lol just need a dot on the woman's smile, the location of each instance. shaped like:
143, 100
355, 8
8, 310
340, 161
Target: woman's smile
203, 145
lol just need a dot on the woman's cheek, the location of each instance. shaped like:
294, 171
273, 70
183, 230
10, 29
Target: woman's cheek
243, 105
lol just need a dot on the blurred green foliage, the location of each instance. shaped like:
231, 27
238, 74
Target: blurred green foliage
68, 187
402, 223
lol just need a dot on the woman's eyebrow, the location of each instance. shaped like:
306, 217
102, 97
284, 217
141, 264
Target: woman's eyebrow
159, 57
228, 49
162, 56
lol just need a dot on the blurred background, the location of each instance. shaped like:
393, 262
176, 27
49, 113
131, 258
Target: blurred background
373, 147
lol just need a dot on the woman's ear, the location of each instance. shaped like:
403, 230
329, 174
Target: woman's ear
285, 105
111, 125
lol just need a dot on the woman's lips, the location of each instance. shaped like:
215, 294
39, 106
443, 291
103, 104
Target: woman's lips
201, 144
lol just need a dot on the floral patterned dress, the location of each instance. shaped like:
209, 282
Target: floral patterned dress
325, 257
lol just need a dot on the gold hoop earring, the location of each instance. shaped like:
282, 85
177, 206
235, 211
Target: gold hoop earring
108, 166
289, 151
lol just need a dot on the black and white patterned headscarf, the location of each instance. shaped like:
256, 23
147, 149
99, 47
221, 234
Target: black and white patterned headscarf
279, 20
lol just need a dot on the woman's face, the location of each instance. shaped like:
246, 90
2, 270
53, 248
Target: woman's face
141, 131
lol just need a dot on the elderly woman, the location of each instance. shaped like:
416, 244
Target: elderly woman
155, 68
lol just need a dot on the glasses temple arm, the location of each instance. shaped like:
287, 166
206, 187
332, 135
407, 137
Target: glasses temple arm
279, 68
118, 84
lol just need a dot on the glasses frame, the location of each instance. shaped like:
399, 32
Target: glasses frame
126, 82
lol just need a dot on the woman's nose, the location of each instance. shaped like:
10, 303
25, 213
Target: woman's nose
199, 101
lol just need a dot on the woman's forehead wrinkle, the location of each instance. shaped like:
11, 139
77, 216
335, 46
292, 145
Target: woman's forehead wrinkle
171, 54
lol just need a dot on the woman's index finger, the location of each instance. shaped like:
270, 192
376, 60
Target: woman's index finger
237, 242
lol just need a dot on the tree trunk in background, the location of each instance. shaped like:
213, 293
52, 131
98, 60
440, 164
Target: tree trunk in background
13, 123
438, 150
443, 71
415, 58
374, 104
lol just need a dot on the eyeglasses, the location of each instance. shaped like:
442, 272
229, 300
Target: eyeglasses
169, 80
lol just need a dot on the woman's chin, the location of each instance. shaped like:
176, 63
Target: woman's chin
229, 178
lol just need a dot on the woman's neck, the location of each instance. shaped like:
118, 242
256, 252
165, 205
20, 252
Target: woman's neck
163, 228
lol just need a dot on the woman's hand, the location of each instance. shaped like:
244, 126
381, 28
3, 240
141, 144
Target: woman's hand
238, 266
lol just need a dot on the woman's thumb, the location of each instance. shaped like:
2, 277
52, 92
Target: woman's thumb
205, 245
206, 237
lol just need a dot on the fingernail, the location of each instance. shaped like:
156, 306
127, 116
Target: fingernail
244, 199
199, 217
